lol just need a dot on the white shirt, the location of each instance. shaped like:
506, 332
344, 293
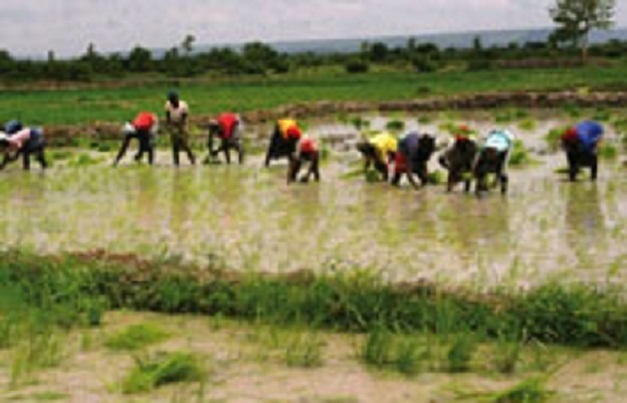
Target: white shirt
176, 114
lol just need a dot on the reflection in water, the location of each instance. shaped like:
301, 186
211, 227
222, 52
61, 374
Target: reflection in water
252, 220
585, 222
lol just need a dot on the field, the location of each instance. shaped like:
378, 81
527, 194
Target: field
74, 105
222, 283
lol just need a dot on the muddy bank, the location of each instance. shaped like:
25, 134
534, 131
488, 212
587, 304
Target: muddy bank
64, 135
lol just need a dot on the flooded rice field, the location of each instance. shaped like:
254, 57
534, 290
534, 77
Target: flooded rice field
247, 218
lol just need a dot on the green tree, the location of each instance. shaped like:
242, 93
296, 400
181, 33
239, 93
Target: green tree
576, 18
188, 43
140, 60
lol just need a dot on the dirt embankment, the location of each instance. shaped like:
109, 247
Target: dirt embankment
64, 134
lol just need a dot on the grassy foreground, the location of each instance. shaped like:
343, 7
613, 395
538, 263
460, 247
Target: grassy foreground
206, 97
64, 291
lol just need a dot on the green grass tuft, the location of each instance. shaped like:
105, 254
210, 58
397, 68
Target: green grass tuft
162, 369
136, 337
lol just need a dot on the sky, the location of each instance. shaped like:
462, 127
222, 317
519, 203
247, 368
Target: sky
33, 27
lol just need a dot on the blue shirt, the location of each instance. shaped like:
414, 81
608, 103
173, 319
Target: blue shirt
589, 133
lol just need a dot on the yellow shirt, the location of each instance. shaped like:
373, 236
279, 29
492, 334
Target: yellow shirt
385, 143
285, 124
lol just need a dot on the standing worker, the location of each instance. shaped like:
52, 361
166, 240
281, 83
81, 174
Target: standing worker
176, 114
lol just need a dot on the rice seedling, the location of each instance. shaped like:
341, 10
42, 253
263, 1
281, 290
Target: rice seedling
161, 369
60, 155
520, 155
425, 119
136, 337
602, 115
360, 123
571, 110
395, 125
528, 125
83, 159
437, 177
608, 151
510, 115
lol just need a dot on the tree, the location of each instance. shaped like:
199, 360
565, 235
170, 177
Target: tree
140, 60
576, 18
188, 43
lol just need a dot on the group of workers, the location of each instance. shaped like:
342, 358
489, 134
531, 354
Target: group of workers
466, 157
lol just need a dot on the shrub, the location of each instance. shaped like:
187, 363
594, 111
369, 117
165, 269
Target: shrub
356, 66
424, 63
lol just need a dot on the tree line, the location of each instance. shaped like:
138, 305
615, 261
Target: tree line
574, 19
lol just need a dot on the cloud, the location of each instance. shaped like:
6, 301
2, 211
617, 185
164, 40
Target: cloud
68, 26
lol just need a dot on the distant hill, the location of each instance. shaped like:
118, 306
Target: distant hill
456, 40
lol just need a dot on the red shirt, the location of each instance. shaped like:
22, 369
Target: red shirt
144, 121
227, 122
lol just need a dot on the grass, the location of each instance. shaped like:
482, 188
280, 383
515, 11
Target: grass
304, 350
461, 352
161, 369
136, 337
530, 390
208, 97
354, 301
385, 350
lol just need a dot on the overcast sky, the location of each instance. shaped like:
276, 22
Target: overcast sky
32, 27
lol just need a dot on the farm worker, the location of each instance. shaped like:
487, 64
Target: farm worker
227, 127
493, 157
306, 151
23, 143
581, 145
283, 140
379, 151
414, 152
144, 128
459, 156
176, 114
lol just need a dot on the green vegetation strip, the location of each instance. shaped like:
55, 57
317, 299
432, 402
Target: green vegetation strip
79, 288
206, 97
